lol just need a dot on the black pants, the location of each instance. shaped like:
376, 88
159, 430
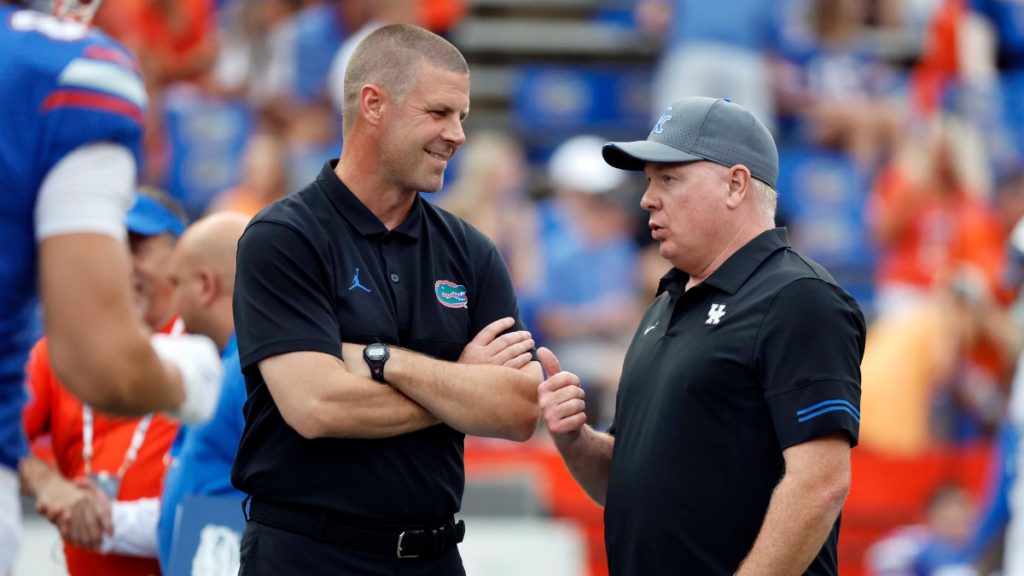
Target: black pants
268, 551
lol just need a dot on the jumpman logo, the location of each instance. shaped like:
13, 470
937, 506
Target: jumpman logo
355, 282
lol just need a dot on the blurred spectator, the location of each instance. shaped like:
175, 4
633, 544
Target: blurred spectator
1009, 200
173, 41
154, 224
110, 469
959, 45
379, 13
490, 194
1006, 17
294, 99
1003, 508
938, 548
204, 274
589, 301
280, 52
957, 69
838, 87
937, 345
264, 178
907, 358
311, 124
929, 217
718, 49
319, 34
1013, 561
440, 16
272, 74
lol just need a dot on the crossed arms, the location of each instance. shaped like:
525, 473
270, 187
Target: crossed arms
491, 391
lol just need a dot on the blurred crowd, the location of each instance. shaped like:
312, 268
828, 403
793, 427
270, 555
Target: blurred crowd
899, 121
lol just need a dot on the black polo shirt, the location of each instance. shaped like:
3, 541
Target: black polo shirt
718, 381
318, 268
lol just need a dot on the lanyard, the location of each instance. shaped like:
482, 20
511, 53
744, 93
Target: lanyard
177, 329
133, 448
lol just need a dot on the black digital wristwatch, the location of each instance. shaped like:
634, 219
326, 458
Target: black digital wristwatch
376, 355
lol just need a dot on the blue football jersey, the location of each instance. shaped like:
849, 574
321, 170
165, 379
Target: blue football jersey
62, 86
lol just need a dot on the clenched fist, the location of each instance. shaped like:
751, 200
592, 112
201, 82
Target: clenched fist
561, 400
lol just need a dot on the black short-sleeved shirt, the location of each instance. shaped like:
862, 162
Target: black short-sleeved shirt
318, 268
718, 381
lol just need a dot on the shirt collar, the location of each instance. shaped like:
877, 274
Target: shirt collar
358, 215
736, 269
231, 348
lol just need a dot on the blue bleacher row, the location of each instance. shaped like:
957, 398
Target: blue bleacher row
822, 194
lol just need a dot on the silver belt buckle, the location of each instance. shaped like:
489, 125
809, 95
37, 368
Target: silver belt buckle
401, 537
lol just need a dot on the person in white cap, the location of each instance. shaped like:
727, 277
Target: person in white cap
589, 300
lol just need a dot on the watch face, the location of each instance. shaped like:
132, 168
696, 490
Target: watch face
374, 352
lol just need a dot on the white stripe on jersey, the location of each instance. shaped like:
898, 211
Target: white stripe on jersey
106, 77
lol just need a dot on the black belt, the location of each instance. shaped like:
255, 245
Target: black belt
405, 544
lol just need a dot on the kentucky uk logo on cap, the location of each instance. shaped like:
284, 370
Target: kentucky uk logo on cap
450, 294
660, 126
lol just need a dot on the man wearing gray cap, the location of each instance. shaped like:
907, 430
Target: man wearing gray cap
744, 370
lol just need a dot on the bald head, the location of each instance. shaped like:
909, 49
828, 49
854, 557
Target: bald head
212, 242
204, 274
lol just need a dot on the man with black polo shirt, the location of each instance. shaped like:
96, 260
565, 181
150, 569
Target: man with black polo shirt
369, 328
739, 397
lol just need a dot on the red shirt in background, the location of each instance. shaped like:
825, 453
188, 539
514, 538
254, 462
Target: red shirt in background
939, 235
53, 410
164, 33
938, 64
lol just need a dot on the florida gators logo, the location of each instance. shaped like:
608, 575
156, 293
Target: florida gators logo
450, 294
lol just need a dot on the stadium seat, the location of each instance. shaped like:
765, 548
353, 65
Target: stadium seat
550, 102
822, 198
206, 137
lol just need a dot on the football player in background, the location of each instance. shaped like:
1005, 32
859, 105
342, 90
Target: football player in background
72, 103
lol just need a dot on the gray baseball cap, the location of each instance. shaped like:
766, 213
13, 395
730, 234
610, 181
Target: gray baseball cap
701, 128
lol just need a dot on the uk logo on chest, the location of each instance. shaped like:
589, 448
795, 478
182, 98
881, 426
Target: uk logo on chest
715, 314
450, 294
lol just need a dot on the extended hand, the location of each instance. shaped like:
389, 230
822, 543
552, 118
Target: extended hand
354, 361
561, 400
511, 350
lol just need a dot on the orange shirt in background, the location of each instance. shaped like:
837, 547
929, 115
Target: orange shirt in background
902, 366
55, 411
440, 16
238, 199
164, 32
938, 236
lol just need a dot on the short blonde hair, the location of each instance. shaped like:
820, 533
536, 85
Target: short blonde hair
766, 200
391, 57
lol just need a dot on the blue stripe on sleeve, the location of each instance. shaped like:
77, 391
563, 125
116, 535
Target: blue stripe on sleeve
831, 409
852, 409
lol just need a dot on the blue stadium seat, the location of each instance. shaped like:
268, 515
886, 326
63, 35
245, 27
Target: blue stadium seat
822, 198
206, 138
549, 102
1013, 94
